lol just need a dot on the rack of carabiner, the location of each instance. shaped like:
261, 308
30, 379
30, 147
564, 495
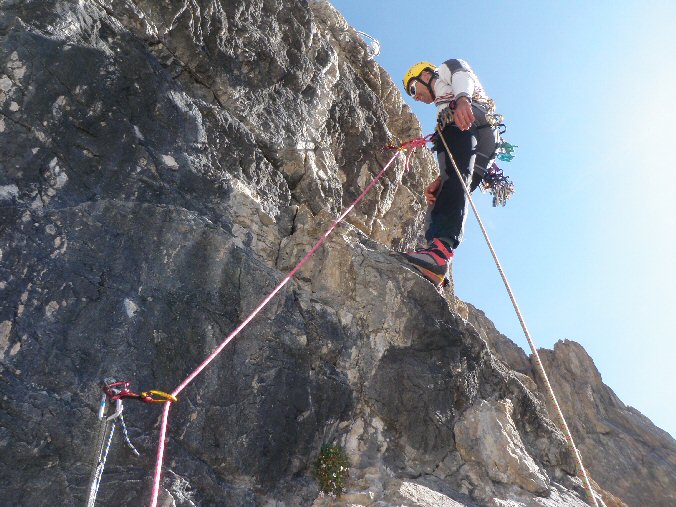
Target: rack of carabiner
499, 185
114, 392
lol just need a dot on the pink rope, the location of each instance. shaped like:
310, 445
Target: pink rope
160, 455
165, 416
418, 142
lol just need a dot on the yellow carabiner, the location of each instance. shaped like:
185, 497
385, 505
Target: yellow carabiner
163, 397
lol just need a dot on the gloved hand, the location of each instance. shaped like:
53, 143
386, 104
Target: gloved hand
445, 117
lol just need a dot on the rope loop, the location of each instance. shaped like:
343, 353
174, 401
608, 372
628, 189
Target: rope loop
411, 145
418, 142
373, 47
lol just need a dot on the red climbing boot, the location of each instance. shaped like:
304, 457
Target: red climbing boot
432, 262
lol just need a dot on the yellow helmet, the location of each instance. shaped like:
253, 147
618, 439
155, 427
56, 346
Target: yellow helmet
415, 72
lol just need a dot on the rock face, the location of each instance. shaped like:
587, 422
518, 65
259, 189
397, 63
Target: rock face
629, 455
163, 165
625, 453
486, 434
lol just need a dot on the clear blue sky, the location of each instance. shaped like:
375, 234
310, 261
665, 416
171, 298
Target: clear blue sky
589, 239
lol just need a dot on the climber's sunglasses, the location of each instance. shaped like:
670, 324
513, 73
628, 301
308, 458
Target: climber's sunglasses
411, 89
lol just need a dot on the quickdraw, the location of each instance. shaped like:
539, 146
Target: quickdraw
494, 119
119, 390
114, 392
505, 151
494, 180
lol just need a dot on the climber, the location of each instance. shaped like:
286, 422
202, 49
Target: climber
467, 121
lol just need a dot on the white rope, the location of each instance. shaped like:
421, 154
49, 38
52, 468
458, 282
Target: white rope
104, 445
101, 460
373, 47
582, 473
126, 436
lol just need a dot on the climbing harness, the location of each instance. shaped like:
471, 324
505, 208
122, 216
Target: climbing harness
582, 473
402, 147
493, 180
114, 392
373, 44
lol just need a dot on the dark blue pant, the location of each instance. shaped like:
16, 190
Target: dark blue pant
447, 218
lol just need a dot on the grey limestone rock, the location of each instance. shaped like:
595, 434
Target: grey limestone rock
486, 434
632, 458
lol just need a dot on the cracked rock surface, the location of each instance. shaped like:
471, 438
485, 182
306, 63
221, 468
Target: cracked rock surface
163, 165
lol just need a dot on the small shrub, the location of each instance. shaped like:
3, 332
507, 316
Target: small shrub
331, 469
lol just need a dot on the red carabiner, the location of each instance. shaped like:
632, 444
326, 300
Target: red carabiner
119, 390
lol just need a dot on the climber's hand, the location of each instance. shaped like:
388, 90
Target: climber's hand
432, 190
463, 115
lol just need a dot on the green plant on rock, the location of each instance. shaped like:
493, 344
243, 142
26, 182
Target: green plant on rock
331, 469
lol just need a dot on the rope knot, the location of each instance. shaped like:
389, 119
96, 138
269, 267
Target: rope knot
410, 146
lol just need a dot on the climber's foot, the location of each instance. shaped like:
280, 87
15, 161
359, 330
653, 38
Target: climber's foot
432, 262
437, 280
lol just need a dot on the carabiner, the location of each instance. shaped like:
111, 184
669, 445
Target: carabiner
117, 390
162, 397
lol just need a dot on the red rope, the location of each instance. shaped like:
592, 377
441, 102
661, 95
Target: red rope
418, 142
415, 143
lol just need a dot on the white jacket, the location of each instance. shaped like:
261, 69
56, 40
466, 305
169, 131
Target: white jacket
457, 79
